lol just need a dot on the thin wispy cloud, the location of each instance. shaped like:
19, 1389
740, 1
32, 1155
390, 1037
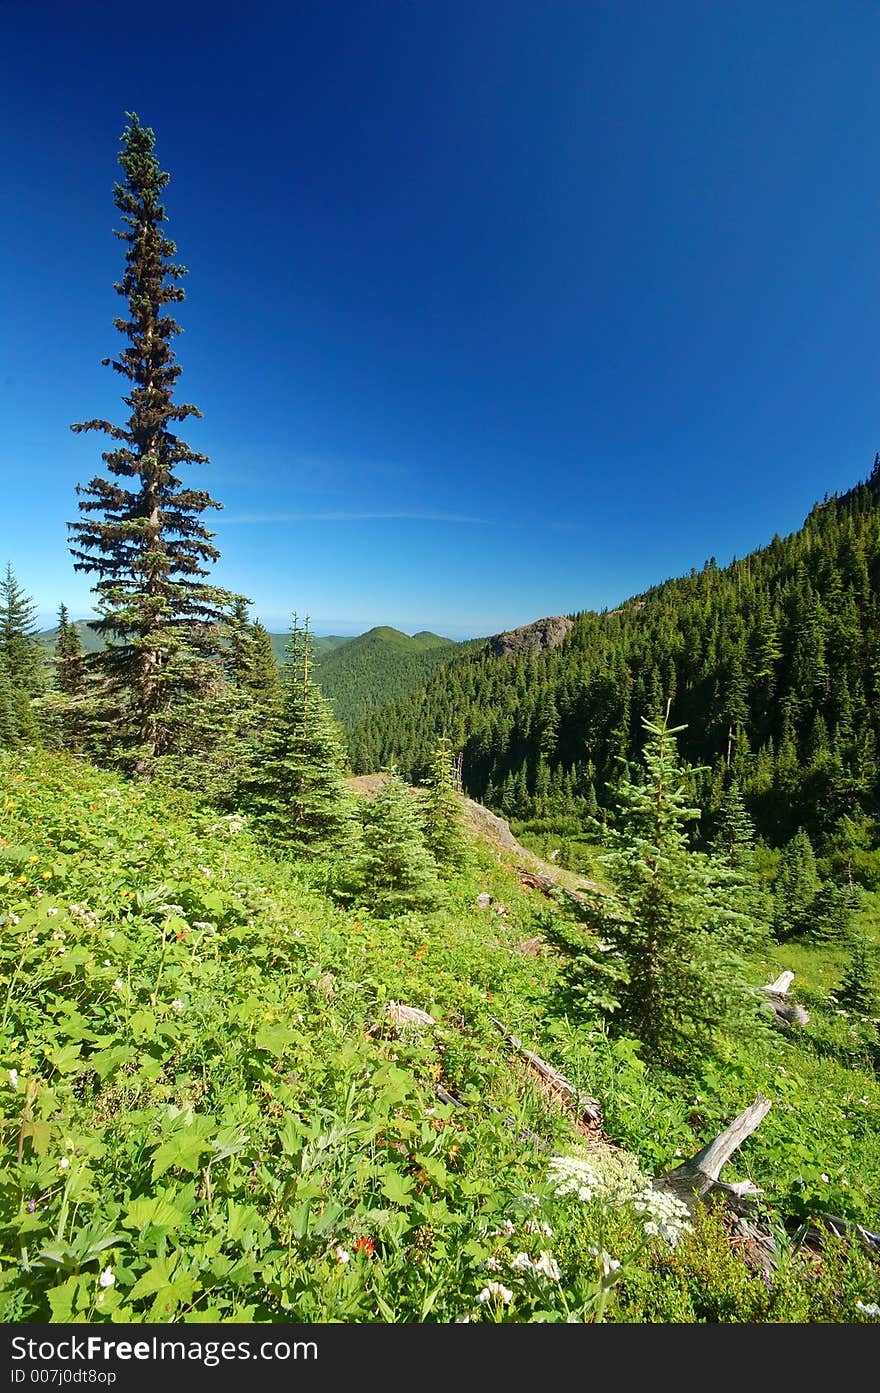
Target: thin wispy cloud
351, 517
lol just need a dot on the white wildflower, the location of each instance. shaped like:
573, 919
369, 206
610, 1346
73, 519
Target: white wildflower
107, 962
548, 1267
206, 870
609, 1264
119, 985
51, 911
571, 1175
342, 1255
63, 1163
666, 1216
508, 1227
868, 1308
824, 1177
493, 1265
521, 1263
106, 1278
494, 1291
177, 1005
10, 919
13, 1078
543, 1229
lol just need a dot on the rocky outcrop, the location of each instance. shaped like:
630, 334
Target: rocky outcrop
531, 639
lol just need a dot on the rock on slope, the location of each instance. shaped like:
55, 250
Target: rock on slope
531, 639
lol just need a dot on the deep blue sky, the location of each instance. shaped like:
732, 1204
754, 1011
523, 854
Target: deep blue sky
495, 310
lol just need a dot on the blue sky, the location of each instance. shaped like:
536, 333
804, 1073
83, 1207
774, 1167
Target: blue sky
495, 310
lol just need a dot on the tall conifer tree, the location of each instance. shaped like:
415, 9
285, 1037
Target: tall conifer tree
20, 653
142, 532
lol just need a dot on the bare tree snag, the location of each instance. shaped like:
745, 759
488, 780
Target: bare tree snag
587, 1110
700, 1174
697, 1180
786, 1013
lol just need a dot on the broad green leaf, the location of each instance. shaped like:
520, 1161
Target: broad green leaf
157, 1212
182, 1150
142, 1025
66, 1059
276, 1039
396, 1187
39, 1134
61, 1299
157, 1277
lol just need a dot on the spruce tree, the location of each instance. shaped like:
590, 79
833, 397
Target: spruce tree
9, 728
679, 940
295, 785
734, 844
21, 657
857, 988
796, 886
394, 870
443, 820
68, 655
251, 662
142, 532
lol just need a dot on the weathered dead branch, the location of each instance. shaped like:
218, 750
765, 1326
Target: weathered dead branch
586, 1109
700, 1174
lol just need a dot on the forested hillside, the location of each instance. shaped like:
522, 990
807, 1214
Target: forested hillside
357, 675
379, 667
772, 663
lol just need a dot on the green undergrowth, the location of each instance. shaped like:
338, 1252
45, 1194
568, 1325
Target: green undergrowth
208, 1115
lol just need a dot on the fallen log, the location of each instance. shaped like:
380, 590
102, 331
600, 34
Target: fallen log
586, 1108
551, 888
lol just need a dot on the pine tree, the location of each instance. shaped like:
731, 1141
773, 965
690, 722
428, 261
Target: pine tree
395, 870
68, 655
679, 941
147, 542
443, 820
20, 653
295, 785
